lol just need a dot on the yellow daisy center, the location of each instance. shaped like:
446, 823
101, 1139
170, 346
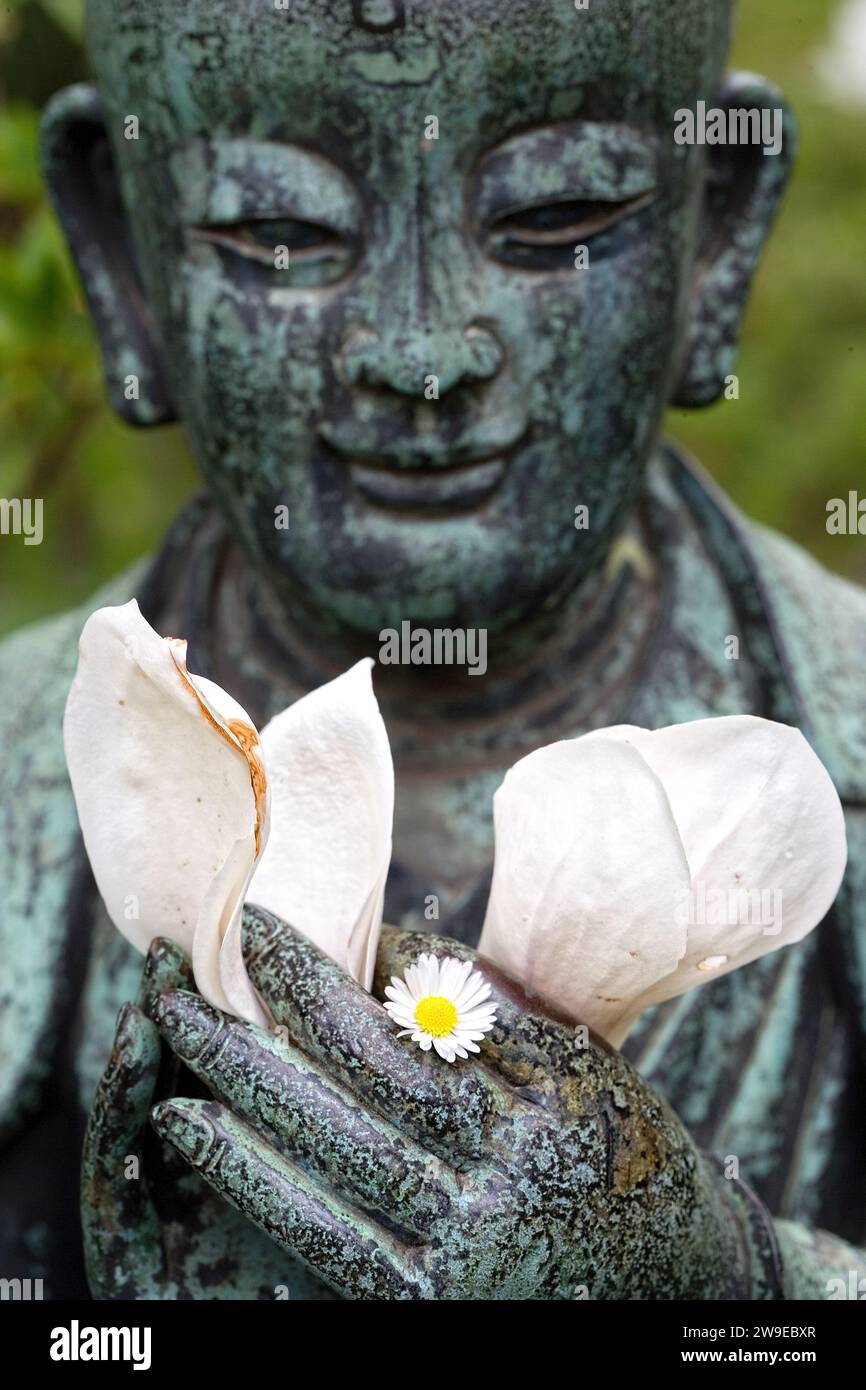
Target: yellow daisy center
436, 1015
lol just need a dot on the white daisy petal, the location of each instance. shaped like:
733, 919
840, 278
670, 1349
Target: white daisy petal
475, 1013
479, 994
463, 974
469, 993
405, 1020
399, 1006
405, 1006
477, 1020
449, 977
429, 975
484, 1006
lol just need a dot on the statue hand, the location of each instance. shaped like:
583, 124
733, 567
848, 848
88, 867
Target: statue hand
545, 1169
151, 1226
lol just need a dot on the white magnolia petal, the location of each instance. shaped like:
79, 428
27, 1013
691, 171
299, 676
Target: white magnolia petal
217, 958
756, 813
332, 810
161, 780
161, 795
587, 872
764, 834
364, 940
237, 726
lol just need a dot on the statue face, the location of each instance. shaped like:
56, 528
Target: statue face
357, 227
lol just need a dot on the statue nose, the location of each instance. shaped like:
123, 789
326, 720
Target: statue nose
410, 363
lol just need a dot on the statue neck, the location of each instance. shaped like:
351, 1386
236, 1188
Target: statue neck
564, 665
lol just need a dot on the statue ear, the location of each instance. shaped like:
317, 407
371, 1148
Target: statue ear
79, 169
743, 191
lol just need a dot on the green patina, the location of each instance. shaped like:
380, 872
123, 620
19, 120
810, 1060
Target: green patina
342, 1163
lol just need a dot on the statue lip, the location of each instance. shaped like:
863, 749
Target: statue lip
427, 473
426, 488
420, 453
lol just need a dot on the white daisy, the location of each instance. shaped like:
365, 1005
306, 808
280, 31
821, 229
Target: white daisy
441, 1004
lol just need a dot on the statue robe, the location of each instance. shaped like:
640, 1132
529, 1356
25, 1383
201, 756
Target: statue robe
766, 1066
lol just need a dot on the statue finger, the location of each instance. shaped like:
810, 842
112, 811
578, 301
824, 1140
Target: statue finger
166, 966
308, 1116
332, 1018
353, 1254
122, 1246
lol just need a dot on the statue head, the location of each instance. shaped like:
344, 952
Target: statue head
426, 273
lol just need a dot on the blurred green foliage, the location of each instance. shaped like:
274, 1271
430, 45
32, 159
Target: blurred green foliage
796, 436
109, 490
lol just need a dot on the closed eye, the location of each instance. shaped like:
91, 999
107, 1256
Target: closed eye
309, 253
544, 237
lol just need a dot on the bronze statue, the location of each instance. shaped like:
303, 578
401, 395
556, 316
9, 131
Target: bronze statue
433, 389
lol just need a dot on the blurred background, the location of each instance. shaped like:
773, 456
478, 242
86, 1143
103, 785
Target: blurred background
796, 436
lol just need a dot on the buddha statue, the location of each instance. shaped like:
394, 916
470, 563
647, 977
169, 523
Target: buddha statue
420, 280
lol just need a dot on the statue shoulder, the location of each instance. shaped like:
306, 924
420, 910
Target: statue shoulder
821, 628
808, 625
38, 857
37, 664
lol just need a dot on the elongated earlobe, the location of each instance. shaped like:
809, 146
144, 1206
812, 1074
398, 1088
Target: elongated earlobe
743, 192
79, 169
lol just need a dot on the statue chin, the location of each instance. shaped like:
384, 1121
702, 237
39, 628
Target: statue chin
363, 567
482, 596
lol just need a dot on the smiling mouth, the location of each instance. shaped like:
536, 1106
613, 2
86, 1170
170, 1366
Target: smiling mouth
458, 488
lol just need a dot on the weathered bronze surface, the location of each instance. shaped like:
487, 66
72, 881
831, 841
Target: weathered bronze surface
341, 1162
